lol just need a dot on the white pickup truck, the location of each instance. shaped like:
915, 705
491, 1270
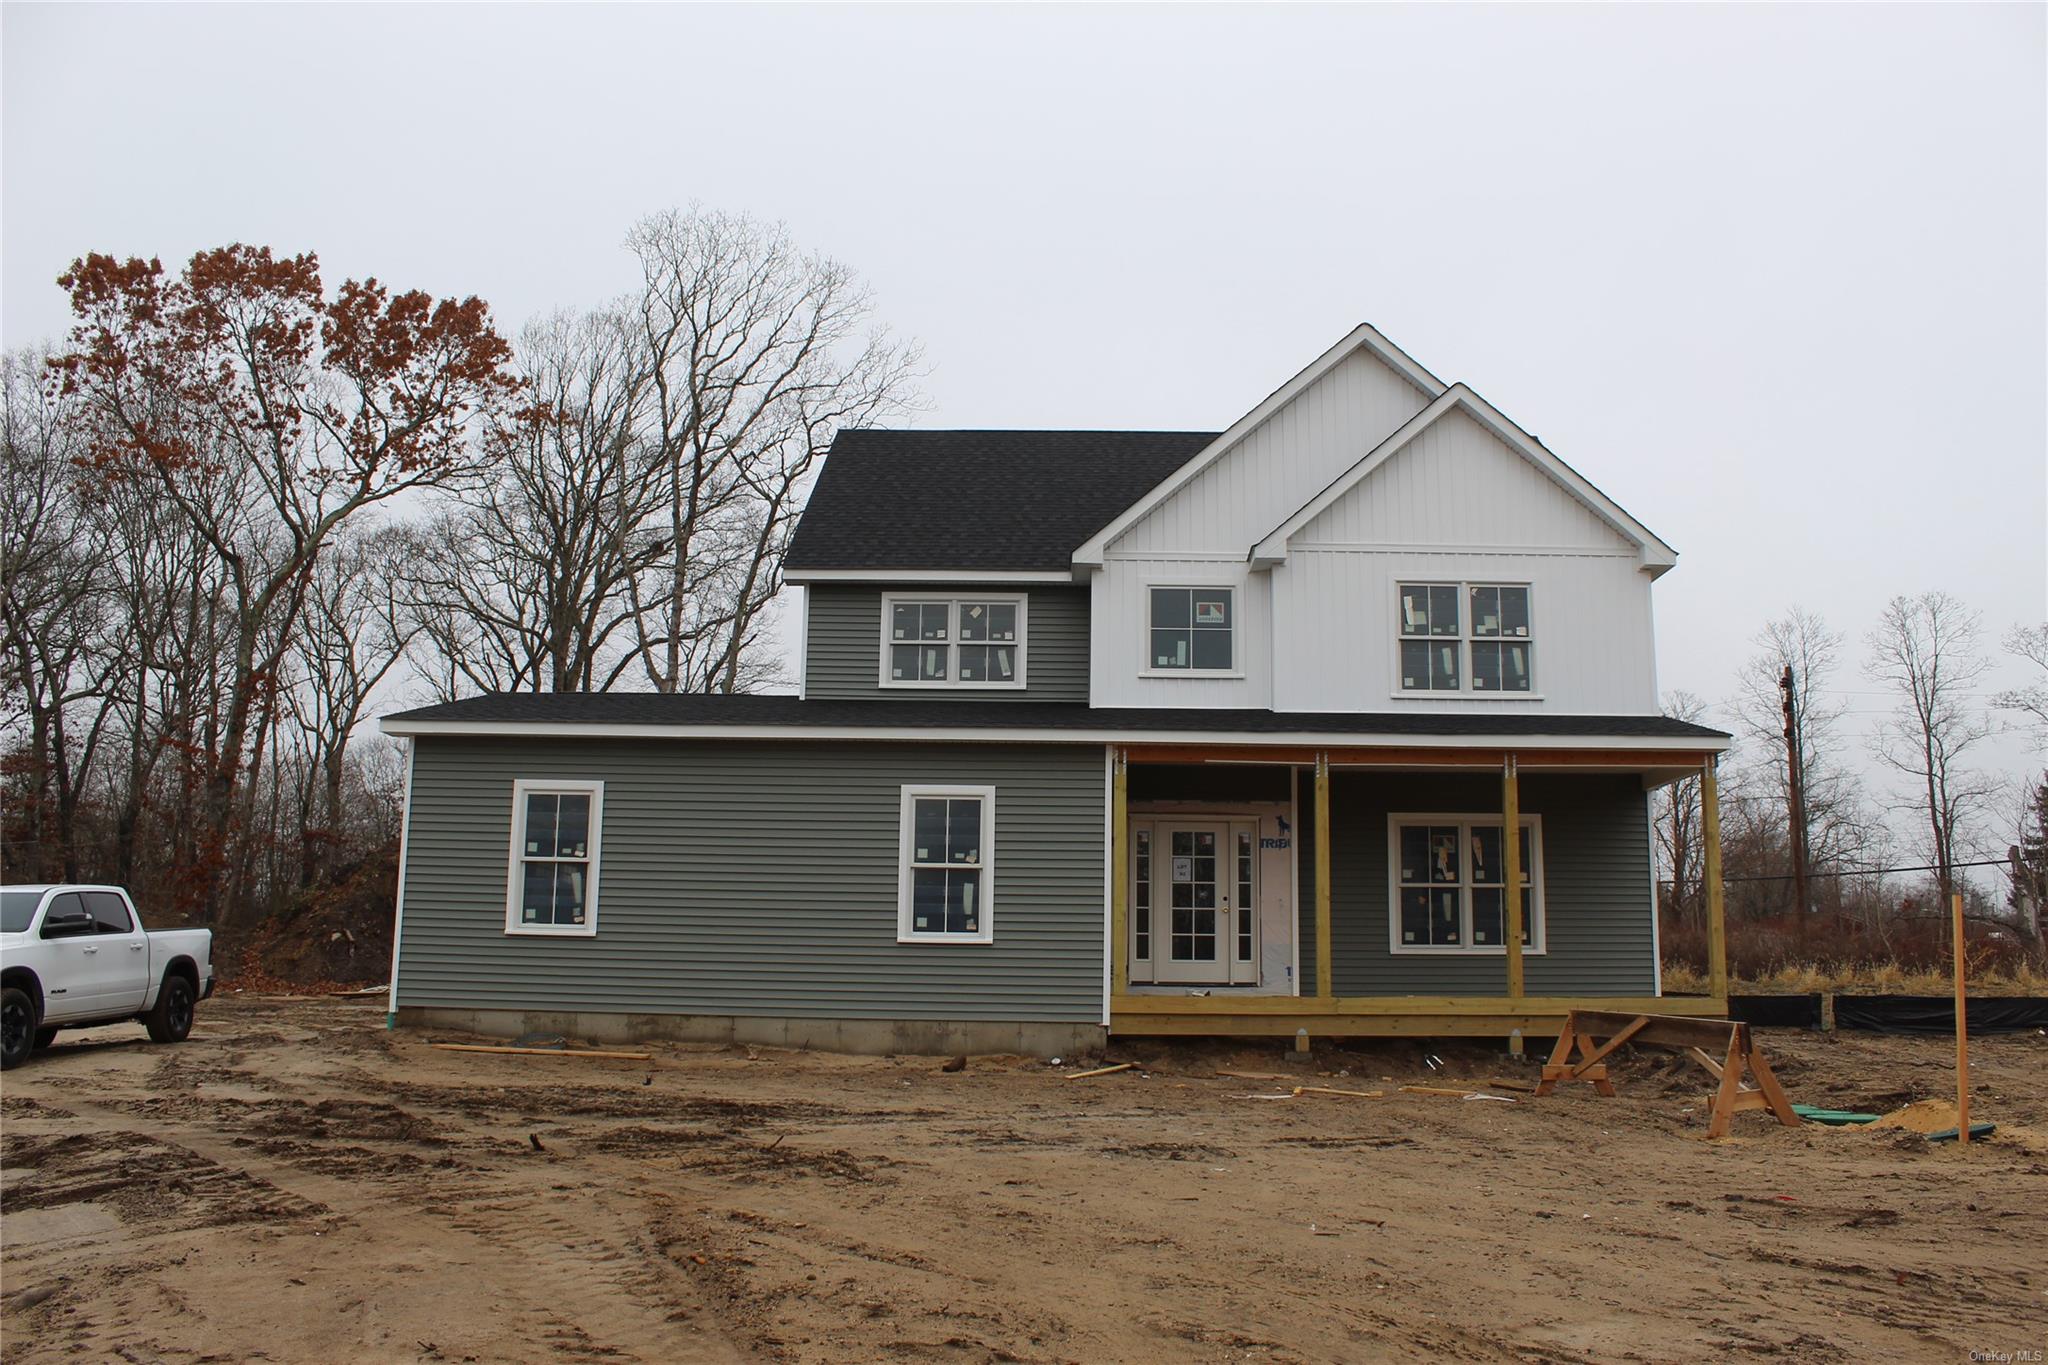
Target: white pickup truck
74, 956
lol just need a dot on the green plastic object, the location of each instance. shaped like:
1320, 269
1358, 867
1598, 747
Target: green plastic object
1837, 1118
1977, 1130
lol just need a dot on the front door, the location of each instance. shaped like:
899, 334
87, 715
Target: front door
1194, 881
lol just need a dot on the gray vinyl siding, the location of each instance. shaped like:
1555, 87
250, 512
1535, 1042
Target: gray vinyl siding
756, 878
843, 644
1596, 885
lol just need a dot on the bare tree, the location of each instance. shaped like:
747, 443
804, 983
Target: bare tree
2030, 699
351, 634
635, 530
54, 609
757, 355
524, 584
1925, 650
2027, 862
1838, 825
1679, 823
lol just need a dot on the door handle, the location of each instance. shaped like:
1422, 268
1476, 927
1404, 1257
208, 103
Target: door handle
135, 947
89, 951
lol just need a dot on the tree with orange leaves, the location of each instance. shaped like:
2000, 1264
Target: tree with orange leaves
266, 415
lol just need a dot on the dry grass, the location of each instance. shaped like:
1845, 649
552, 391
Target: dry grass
1885, 978
1900, 956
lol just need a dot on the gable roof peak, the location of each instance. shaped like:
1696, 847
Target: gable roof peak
1653, 554
1363, 337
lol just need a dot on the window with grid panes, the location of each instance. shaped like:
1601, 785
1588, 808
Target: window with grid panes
948, 863
555, 828
953, 642
1193, 630
1466, 638
1450, 884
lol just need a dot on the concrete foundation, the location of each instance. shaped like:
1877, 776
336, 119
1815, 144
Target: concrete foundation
874, 1037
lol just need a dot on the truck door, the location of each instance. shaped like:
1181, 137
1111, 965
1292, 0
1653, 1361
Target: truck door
124, 952
70, 937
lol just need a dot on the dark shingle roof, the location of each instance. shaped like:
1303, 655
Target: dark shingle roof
1003, 500
648, 708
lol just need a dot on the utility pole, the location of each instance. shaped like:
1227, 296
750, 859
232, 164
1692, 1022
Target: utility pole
1796, 774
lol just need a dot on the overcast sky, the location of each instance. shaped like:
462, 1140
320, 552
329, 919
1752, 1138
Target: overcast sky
1771, 277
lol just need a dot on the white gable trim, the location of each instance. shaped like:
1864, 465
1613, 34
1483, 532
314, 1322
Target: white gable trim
1365, 336
1653, 554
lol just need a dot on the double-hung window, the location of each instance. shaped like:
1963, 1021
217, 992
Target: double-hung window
1450, 884
947, 867
953, 642
555, 833
1466, 638
1193, 630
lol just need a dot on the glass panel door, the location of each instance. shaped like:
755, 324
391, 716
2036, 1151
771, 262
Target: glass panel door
1191, 883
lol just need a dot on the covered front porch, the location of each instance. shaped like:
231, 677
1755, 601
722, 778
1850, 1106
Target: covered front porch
1362, 891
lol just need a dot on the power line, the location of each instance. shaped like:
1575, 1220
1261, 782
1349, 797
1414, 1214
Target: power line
1864, 871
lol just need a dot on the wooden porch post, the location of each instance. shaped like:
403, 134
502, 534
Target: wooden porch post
1325, 988
1120, 872
1511, 850
1717, 918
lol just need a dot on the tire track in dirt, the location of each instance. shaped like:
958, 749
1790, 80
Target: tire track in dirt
577, 1284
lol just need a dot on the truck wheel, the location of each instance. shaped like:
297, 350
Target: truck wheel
45, 1037
17, 1027
171, 1019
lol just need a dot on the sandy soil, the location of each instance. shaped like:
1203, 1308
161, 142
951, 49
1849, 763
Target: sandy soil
296, 1184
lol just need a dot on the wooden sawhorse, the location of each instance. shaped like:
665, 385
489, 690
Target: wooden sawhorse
1583, 1030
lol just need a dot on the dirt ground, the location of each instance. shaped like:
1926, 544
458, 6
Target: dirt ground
295, 1183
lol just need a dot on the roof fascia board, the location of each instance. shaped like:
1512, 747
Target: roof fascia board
397, 727
1365, 335
928, 576
1651, 552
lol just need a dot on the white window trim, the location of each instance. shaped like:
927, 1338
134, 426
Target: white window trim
1539, 928
1236, 669
907, 819
514, 877
953, 599
1464, 691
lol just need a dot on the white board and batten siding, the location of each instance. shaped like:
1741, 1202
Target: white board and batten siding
1288, 459
1200, 536
1121, 642
1319, 631
1458, 506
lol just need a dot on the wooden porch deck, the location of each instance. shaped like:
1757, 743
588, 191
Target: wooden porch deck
1325, 1014
1378, 1016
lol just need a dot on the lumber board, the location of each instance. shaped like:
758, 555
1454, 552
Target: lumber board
1779, 1103
544, 1051
1663, 1030
1104, 1071
1379, 756
1495, 1006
